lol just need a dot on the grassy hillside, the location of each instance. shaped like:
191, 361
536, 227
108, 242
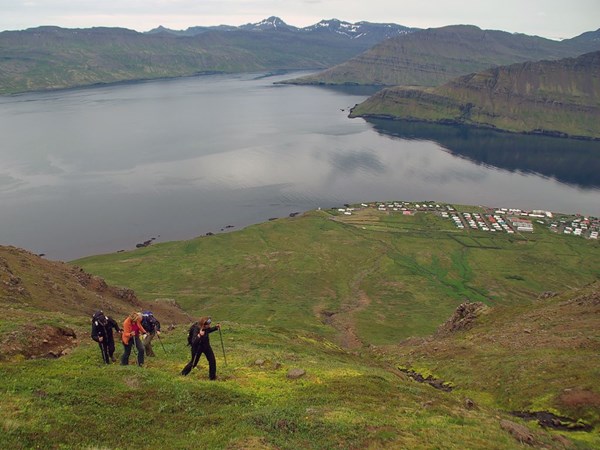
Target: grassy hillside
335, 296
526, 358
434, 56
56, 301
343, 401
54, 58
551, 97
368, 278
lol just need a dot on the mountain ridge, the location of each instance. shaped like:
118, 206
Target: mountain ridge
436, 55
546, 97
51, 57
358, 30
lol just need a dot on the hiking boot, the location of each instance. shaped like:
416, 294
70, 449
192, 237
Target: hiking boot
113, 359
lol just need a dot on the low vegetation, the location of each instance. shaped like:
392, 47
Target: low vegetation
355, 302
390, 276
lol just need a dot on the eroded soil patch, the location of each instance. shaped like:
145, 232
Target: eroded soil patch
38, 342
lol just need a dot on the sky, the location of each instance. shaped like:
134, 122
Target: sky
554, 19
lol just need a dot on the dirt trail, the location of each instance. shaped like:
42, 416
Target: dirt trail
344, 321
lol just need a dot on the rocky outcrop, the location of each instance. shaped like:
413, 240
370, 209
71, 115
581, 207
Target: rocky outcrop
463, 318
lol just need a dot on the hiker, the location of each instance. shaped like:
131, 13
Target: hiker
132, 331
200, 343
102, 333
152, 327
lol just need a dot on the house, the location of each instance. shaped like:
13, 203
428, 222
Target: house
521, 224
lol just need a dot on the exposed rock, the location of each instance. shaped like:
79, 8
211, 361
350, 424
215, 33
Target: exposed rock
549, 420
294, 374
469, 404
547, 294
127, 294
463, 318
591, 299
430, 380
90, 281
259, 362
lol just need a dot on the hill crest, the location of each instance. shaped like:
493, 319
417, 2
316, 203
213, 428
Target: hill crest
434, 56
546, 97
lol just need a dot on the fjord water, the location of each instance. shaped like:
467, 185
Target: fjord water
95, 170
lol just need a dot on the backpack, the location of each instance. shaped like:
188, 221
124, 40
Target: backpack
194, 330
100, 318
148, 321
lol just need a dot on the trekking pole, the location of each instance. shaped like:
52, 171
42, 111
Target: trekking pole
223, 346
161, 344
104, 350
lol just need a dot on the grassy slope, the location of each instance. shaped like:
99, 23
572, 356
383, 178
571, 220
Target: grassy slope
434, 56
554, 96
53, 58
387, 277
541, 358
35, 292
391, 276
343, 401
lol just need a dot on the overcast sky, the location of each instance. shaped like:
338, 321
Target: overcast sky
554, 19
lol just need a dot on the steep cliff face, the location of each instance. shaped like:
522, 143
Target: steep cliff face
434, 56
552, 97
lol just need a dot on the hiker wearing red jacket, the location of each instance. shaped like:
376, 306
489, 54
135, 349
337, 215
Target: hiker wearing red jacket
132, 331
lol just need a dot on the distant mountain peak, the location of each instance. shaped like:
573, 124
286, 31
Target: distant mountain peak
358, 30
270, 23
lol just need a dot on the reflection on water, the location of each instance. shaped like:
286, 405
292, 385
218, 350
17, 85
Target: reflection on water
570, 161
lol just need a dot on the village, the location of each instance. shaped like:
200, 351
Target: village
503, 220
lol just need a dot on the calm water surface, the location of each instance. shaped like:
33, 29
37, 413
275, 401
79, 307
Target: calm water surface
97, 170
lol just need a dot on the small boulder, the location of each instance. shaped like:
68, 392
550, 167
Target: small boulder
259, 362
294, 374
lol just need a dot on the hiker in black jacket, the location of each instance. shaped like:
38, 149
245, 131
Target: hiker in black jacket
198, 339
102, 333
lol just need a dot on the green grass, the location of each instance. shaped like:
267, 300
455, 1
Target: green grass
293, 292
343, 401
404, 274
